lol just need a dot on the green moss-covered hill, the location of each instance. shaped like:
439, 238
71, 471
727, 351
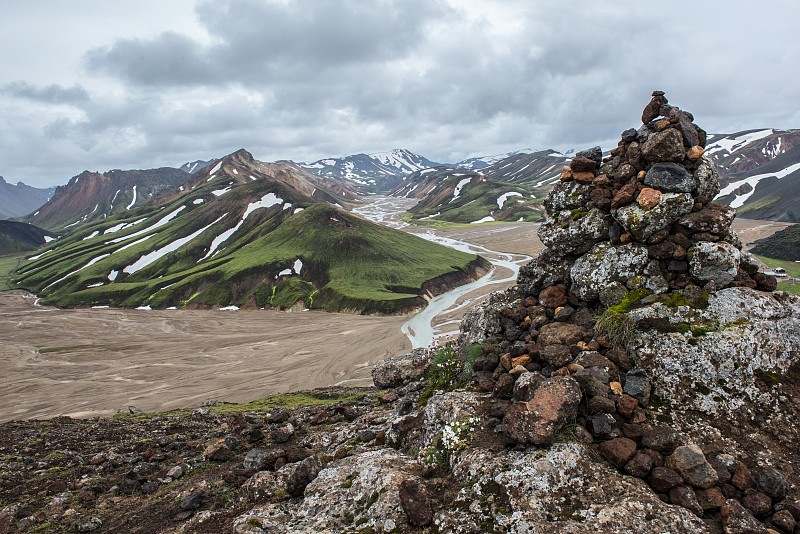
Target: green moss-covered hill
21, 237
783, 245
242, 234
460, 196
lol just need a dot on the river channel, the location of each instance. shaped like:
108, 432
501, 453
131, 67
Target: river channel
442, 316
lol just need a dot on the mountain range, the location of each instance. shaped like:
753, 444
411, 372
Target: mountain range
247, 234
20, 199
92, 196
21, 237
759, 172
371, 173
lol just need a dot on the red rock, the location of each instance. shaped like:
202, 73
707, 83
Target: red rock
553, 297
684, 496
415, 503
652, 110
710, 499
624, 195
663, 479
537, 421
626, 405
664, 146
737, 520
582, 164
695, 152
648, 198
758, 503
618, 451
640, 465
742, 478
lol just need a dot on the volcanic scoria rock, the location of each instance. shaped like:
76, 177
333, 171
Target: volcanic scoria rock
538, 421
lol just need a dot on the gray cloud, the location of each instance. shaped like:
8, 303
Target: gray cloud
50, 94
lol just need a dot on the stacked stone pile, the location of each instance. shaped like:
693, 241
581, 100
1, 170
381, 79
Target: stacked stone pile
643, 217
638, 227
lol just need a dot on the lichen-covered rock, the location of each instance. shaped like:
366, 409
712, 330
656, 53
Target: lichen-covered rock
605, 264
713, 218
717, 262
567, 196
744, 333
666, 145
398, 370
369, 483
546, 270
560, 489
737, 520
644, 223
706, 182
484, 320
574, 232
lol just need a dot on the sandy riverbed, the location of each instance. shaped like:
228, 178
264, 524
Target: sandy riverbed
86, 362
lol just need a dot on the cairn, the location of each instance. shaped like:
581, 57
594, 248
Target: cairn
634, 228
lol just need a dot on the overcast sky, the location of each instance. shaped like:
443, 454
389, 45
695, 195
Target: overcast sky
99, 84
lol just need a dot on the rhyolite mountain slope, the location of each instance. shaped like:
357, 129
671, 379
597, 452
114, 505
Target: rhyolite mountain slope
380, 172
759, 172
21, 237
456, 195
92, 196
536, 169
19, 199
245, 233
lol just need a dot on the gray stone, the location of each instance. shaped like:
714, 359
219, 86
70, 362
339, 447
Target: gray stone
574, 232
666, 145
772, 482
604, 265
706, 182
398, 370
670, 178
717, 262
259, 459
637, 385
691, 464
546, 270
642, 224
568, 196
713, 218
525, 386
594, 153
661, 438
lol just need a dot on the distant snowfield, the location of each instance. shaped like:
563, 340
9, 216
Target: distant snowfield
460, 186
501, 200
753, 182
155, 255
734, 143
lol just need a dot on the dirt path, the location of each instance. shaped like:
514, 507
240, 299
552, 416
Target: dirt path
88, 362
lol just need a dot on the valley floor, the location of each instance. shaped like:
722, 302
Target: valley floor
87, 362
